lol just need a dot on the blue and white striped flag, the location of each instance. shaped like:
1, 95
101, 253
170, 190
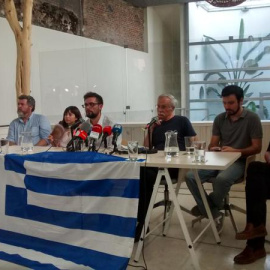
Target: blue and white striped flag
68, 210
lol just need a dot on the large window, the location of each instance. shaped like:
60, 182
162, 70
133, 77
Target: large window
228, 46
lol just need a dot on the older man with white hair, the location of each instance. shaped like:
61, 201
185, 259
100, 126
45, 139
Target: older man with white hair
167, 120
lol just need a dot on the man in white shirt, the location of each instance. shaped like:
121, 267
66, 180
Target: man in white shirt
93, 104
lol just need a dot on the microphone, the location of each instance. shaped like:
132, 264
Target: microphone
76, 124
117, 130
80, 134
153, 121
56, 135
94, 136
107, 131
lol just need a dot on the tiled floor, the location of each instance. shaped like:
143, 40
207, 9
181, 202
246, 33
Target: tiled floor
171, 252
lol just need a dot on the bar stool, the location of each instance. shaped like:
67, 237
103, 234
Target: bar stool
227, 206
166, 202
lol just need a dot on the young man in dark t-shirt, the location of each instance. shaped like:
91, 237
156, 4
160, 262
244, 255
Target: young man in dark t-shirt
167, 120
235, 130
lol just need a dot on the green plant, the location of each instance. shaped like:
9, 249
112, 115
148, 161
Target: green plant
237, 70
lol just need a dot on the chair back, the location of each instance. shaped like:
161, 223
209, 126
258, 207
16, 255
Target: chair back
248, 161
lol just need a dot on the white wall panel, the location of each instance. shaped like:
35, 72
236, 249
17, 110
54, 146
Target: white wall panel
65, 67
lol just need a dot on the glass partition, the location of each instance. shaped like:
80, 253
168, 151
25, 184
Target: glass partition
228, 47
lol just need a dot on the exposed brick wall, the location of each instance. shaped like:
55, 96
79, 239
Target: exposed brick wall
61, 18
111, 21
114, 21
53, 14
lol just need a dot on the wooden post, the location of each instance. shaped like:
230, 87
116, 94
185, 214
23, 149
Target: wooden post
23, 42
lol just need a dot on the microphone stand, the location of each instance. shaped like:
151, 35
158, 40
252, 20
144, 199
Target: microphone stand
149, 138
105, 143
94, 146
72, 146
114, 149
150, 150
90, 145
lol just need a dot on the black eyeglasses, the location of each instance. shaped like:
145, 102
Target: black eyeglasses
163, 107
91, 104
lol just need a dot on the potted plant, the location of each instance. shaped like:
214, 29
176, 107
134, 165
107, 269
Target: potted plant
236, 71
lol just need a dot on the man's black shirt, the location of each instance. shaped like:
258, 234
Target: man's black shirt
178, 123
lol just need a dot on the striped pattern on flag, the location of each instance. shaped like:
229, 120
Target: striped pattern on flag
77, 208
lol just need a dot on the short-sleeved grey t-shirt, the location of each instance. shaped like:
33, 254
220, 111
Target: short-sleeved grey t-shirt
237, 134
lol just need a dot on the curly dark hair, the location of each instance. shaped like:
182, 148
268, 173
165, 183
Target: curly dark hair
93, 94
30, 101
233, 90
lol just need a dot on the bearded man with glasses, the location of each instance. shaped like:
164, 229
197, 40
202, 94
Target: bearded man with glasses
93, 104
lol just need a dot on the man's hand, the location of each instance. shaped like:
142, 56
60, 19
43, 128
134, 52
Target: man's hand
42, 142
157, 123
53, 142
229, 149
50, 138
215, 148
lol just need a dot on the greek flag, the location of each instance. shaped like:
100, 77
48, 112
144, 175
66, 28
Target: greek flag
66, 210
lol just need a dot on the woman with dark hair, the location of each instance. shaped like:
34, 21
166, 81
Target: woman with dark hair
61, 133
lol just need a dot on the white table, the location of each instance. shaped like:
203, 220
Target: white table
214, 161
15, 149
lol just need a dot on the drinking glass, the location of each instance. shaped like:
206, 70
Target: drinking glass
4, 146
25, 142
133, 150
189, 144
199, 151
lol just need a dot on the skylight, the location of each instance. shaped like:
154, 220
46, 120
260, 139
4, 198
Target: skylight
248, 4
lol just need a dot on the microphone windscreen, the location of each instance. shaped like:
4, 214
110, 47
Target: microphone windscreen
76, 124
97, 128
117, 129
96, 132
107, 130
86, 127
153, 121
